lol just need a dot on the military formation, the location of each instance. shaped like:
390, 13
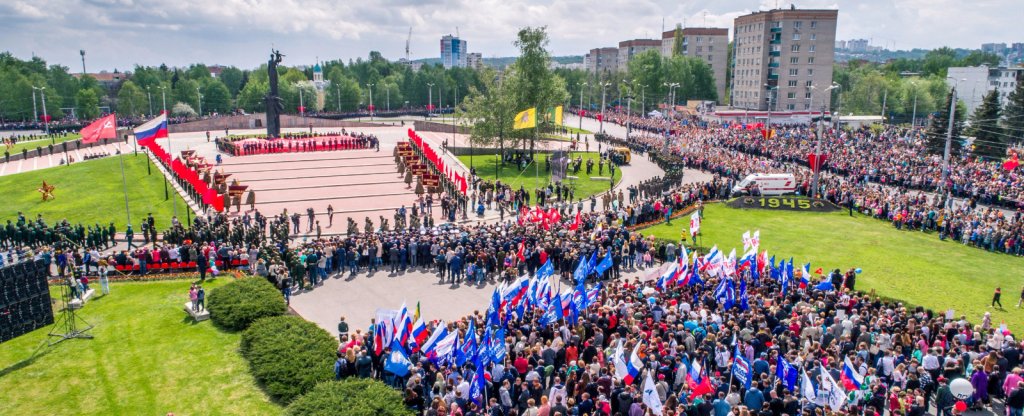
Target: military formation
37, 233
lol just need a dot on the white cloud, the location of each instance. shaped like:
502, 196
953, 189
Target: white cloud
120, 33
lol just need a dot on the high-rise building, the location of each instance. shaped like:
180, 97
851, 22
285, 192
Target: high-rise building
707, 43
857, 45
975, 82
996, 48
602, 60
453, 52
630, 48
779, 55
475, 60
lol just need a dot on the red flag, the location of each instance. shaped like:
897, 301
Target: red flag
104, 128
1011, 163
600, 117
576, 223
816, 161
522, 252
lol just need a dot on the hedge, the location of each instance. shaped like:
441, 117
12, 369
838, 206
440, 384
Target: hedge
288, 355
238, 304
351, 397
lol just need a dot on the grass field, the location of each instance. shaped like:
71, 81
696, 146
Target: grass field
908, 265
509, 174
32, 145
91, 192
147, 358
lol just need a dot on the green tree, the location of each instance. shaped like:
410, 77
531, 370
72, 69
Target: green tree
1013, 113
250, 98
936, 134
187, 91
131, 100
647, 74
216, 97
677, 41
233, 79
491, 110
989, 140
533, 83
197, 72
350, 397
88, 104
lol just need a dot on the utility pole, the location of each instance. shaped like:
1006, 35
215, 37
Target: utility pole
815, 191
338, 89
581, 103
302, 108
35, 111
949, 140
913, 118
149, 97
200, 95
430, 96
604, 92
885, 97
388, 90
370, 88
82, 52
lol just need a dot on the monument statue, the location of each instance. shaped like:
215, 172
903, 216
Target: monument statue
273, 101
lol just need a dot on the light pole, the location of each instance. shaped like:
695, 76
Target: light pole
35, 111
671, 94
582, 84
388, 90
200, 95
149, 97
163, 97
604, 92
817, 147
643, 100
949, 132
370, 88
629, 105
46, 124
913, 118
338, 90
302, 107
770, 96
430, 97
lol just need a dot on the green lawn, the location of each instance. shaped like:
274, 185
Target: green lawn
146, 358
32, 145
909, 265
91, 192
529, 179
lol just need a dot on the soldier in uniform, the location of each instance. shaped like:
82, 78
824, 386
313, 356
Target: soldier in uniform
384, 224
368, 227
398, 220
250, 199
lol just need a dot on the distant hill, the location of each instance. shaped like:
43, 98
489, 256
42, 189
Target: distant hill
501, 62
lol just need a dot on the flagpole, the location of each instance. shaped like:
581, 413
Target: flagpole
124, 182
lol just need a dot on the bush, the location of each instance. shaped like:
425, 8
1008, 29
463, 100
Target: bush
351, 397
289, 355
238, 304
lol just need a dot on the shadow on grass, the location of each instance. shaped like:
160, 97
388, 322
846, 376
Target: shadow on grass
40, 351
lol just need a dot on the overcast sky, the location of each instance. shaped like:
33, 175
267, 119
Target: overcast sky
122, 33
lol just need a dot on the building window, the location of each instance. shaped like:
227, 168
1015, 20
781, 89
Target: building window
812, 48
807, 95
798, 24
792, 83
810, 60
814, 24
810, 72
791, 95
796, 36
794, 72
808, 84
699, 39
814, 36
710, 57
710, 48
700, 49
791, 107
794, 60
794, 48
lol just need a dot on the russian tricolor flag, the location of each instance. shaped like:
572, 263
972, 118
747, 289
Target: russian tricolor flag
633, 366
851, 379
152, 130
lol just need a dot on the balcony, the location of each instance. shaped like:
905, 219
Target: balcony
774, 53
773, 77
776, 30
773, 64
775, 41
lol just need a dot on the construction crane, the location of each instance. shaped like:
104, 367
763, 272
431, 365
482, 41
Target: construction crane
407, 40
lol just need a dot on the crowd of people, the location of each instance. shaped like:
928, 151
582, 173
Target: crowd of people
297, 142
887, 173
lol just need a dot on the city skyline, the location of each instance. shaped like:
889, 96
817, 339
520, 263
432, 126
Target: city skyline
120, 34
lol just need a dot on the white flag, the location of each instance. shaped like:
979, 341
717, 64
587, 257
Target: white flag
746, 241
651, 398
694, 224
835, 395
619, 359
807, 388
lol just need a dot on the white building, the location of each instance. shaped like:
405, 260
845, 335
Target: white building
974, 83
453, 52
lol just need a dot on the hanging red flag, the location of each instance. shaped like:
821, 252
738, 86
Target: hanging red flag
816, 161
104, 128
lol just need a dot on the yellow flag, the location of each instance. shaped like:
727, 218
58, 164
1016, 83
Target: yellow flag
526, 119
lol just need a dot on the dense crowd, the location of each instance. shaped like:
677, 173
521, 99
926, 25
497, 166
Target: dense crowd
887, 174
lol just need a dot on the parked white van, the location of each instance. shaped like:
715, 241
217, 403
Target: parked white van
766, 184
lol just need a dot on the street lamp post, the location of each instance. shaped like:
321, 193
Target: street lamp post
163, 97
582, 84
370, 88
817, 147
200, 95
388, 90
770, 96
46, 124
35, 111
302, 107
604, 92
949, 133
643, 100
149, 97
338, 90
430, 97
629, 106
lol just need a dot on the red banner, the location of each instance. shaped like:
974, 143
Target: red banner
816, 161
600, 117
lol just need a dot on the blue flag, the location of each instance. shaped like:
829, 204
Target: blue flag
785, 372
825, 286
582, 270
546, 270
741, 368
493, 318
398, 362
554, 311
476, 388
467, 348
605, 264
592, 262
744, 300
498, 352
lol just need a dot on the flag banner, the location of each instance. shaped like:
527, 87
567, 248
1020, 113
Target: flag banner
104, 128
526, 119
